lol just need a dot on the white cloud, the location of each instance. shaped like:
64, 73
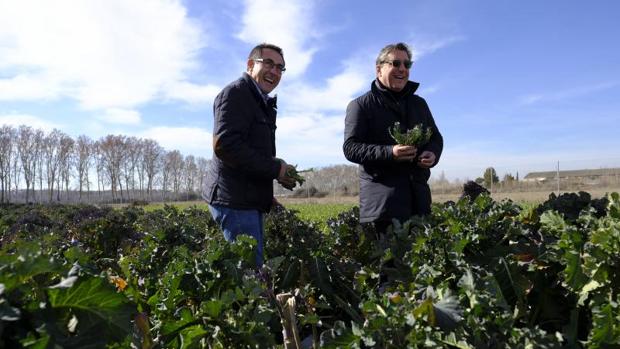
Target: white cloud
29, 87
424, 45
334, 96
187, 140
310, 139
288, 24
104, 54
428, 90
193, 93
559, 95
121, 116
18, 119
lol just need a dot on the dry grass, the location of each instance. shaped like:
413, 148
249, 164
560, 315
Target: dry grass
533, 197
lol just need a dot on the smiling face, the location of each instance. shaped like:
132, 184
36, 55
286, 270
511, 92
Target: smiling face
392, 77
267, 77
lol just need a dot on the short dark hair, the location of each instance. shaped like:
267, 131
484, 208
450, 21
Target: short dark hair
401, 46
257, 51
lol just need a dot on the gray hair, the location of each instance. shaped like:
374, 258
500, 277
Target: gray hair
392, 47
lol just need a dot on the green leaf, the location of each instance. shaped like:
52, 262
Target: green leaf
605, 326
191, 336
553, 221
102, 313
322, 279
468, 284
213, 308
37, 343
425, 308
291, 276
506, 283
66, 282
585, 291
339, 337
452, 341
8, 313
614, 205
574, 276
447, 312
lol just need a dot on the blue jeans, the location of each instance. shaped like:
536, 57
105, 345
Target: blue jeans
234, 222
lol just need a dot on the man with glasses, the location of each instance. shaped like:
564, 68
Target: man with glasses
239, 184
393, 177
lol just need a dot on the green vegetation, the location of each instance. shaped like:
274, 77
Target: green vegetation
474, 274
180, 205
318, 213
416, 136
295, 174
311, 212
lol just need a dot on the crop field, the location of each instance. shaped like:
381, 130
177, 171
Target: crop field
315, 212
476, 273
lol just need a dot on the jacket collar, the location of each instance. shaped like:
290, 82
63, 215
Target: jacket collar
410, 88
268, 101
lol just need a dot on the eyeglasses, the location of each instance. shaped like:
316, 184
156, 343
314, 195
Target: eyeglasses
396, 63
269, 64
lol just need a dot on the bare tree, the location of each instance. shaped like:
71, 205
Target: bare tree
84, 155
7, 135
15, 163
140, 167
151, 156
173, 170
111, 148
51, 159
130, 163
99, 167
27, 150
65, 164
124, 164
189, 174
203, 167
40, 141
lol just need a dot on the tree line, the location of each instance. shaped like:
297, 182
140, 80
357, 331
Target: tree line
36, 166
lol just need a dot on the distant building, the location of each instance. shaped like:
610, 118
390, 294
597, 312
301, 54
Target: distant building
581, 176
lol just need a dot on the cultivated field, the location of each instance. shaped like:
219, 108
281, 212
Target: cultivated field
532, 197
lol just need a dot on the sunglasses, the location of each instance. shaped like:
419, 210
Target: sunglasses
269, 64
396, 63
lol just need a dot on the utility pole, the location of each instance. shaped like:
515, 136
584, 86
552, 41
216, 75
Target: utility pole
557, 175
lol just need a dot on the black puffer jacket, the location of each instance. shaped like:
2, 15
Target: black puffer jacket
388, 189
244, 165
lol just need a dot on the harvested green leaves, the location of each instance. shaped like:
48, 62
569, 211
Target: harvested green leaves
416, 136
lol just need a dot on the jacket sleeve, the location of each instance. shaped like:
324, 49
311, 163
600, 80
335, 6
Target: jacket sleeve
233, 120
435, 144
356, 147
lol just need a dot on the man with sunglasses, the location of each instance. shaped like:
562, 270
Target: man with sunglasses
239, 184
393, 177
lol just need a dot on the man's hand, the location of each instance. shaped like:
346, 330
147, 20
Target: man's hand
427, 159
275, 203
404, 152
284, 180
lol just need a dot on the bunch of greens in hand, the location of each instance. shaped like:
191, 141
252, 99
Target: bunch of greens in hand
293, 173
416, 136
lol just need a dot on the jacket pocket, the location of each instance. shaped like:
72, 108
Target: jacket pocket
261, 133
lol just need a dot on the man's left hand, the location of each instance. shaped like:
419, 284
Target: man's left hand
426, 159
283, 178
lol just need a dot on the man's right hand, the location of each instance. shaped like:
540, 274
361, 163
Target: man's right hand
284, 180
404, 152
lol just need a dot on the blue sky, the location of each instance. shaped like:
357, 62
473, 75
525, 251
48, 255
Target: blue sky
517, 85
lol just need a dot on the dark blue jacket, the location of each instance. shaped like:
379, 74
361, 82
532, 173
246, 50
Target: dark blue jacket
389, 189
244, 166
